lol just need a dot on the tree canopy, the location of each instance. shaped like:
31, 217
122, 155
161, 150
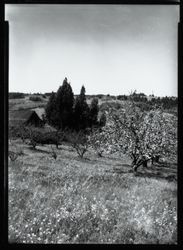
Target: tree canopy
141, 135
63, 111
81, 111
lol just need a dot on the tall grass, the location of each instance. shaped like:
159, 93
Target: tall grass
69, 200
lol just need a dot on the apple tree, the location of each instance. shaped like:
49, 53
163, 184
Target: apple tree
142, 135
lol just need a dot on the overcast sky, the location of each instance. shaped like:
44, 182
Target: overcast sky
110, 49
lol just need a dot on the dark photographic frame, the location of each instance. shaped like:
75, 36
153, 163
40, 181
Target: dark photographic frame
4, 106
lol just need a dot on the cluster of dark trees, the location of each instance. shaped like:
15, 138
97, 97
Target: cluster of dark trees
63, 111
164, 102
16, 95
122, 97
39, 94
35, 98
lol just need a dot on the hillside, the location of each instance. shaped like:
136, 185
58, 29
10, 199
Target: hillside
57, 197
90, 200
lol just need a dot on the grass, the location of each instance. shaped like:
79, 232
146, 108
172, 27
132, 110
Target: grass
90, 200
19, 104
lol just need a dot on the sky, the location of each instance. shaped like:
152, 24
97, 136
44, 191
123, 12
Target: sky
110, 49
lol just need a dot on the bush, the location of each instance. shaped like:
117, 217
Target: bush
18, 131
36, 136
122, 97
35, 98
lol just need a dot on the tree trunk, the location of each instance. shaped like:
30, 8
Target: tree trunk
144, 164
99, 154
135, 166
134, 161
152, 160
138, 164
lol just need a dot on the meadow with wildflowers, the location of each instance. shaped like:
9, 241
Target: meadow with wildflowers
89, 200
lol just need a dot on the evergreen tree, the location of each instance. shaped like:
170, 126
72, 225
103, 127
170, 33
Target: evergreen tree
94, 108
81, 111
64, 103
51, 110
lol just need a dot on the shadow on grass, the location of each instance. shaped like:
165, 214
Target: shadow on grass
38, 150
166, 166
157, 175
155, 171
124, 169
86, 159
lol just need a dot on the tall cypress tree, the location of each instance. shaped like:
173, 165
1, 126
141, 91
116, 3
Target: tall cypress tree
81, 111
51, 110
64, 102
94, 109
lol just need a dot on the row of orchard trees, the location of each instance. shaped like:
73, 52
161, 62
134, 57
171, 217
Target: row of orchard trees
63, 111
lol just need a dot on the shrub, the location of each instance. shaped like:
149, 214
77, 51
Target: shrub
36, 136
122, 97
35, 98
18, 131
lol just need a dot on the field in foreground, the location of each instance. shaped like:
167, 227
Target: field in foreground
91, 200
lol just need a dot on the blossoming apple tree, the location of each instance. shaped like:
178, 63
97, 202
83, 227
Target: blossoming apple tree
141, 135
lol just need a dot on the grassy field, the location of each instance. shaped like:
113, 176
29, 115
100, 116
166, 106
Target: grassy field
25, 103
91, 200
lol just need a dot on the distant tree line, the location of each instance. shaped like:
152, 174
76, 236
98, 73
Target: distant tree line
16, 95
35, 98
63, 111
164, 102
